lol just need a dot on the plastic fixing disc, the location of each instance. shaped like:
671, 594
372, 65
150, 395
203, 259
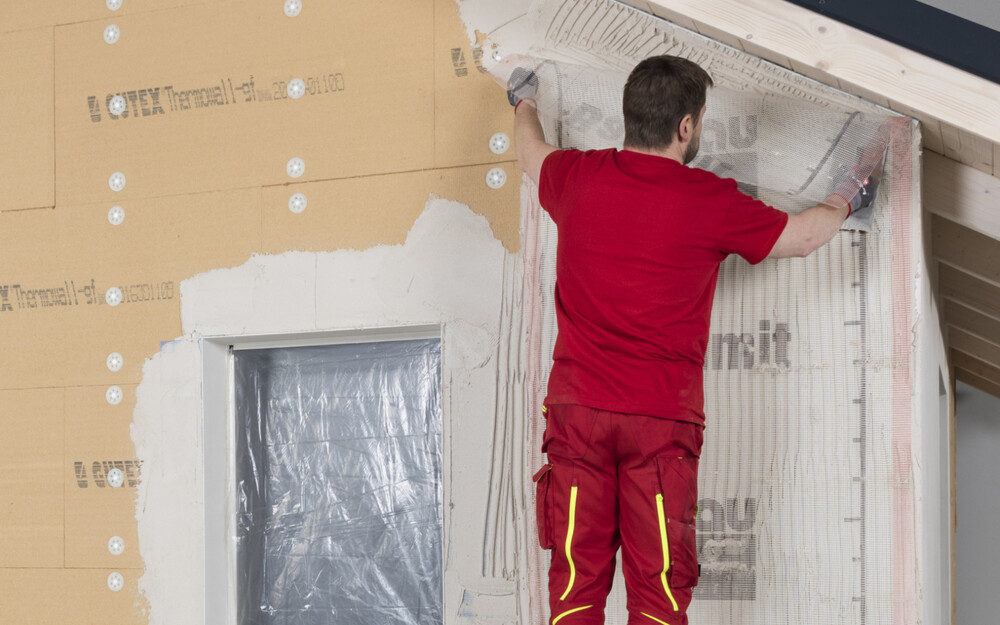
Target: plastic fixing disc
113, 296
297, 203
116, 478
295, 167
116, 215
116, 181
114, 395
117, 105
114, 5
296, 88
116, 582
116, 545
496, 177
499, 143
293, 7
115, 361
111, 33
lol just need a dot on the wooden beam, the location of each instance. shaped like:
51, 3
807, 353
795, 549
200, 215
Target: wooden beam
930, 127
965, 248
925, 85
666, 13
967, 148
814, 73
962, 194
975, 366
980, 349
969, 290
863, 92
971, 321
975, 381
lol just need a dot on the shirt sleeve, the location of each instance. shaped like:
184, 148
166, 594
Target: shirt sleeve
554, 179
751, 227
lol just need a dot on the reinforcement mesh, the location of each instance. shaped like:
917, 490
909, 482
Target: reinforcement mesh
805, 493
786, 152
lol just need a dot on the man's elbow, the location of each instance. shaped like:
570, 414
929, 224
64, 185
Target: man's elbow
796, 247
522, 161
807, 245
531, 156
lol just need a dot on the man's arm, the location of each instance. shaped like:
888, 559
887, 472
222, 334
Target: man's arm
529, 140
811, 229
814, 227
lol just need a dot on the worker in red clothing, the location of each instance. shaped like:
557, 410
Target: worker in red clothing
641, 237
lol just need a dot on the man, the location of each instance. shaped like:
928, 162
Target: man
640, 240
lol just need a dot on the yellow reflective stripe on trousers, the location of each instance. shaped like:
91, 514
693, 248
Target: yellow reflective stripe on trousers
569, 543
567, 612
654, 618
666, 550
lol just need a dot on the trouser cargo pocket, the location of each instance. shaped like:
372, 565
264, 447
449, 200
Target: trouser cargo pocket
543, 516
683, 572
677, 508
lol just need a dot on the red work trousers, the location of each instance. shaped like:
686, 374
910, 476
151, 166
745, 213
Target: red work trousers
618, 480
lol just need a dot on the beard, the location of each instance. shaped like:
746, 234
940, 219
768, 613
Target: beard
691, 150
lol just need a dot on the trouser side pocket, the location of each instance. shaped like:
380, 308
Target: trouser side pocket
676, 511
543, 516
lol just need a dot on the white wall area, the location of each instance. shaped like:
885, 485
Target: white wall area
978, 550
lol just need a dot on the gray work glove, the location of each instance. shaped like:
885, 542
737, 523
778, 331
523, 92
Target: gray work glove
867, 190
860, 193
859, 184
522, 85
857, 191
863, 207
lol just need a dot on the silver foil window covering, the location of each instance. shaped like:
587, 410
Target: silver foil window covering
338, 476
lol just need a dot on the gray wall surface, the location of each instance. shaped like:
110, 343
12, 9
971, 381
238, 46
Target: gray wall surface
978, 550
983, 12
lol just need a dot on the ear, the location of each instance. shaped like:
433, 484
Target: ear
685, 129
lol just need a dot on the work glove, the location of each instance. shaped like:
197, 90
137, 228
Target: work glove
858, 192
858, 184
867, 190
522, 85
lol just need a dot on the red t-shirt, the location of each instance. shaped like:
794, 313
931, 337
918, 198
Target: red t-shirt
641, 239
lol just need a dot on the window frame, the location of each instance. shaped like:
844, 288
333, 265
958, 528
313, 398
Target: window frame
219, 442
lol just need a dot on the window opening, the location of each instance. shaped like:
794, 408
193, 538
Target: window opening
338, 484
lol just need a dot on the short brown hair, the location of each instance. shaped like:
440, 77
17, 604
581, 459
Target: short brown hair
659, 92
